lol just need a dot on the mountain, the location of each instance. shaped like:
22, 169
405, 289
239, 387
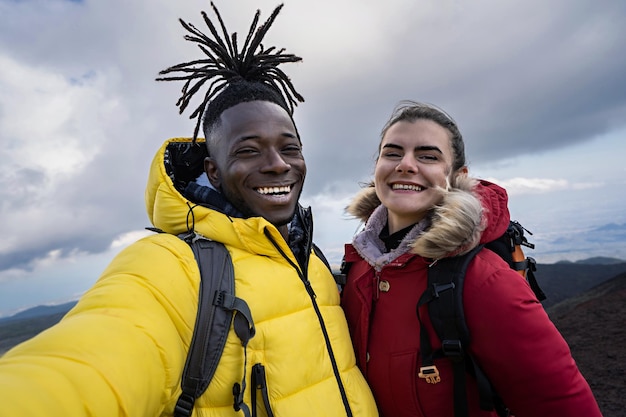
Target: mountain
597, 260
561, 280
600, 260
594, 325
15, 331
40, 311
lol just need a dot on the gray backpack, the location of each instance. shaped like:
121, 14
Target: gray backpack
216, 306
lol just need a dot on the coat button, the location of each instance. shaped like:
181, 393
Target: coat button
367, 357
383, 286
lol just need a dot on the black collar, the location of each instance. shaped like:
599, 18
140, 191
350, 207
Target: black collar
393, 240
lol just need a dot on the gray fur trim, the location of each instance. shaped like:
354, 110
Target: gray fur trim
372, 249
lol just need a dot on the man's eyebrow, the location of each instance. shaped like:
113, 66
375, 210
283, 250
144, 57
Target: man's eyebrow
253, 137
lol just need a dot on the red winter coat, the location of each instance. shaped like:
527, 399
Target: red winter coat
512, 338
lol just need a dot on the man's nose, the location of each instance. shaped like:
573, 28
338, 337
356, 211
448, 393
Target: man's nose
275, 162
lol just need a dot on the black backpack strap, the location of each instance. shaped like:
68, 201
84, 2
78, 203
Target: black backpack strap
444, 296
532, 280
216, 306
340, 277
318, 252
511, 242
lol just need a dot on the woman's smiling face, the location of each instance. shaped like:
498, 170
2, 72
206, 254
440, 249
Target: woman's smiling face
415, 159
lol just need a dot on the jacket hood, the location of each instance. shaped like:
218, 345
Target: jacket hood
179, 199
471, 212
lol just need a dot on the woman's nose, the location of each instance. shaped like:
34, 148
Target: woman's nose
407, 164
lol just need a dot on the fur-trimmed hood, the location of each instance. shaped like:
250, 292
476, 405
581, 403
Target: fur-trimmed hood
472, 211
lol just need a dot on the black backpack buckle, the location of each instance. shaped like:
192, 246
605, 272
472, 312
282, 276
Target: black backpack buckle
452, 348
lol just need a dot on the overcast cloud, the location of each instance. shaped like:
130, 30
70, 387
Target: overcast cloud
537, 87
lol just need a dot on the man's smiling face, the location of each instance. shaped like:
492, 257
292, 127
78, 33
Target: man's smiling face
257, 161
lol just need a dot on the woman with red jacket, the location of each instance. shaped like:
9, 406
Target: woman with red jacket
423, 207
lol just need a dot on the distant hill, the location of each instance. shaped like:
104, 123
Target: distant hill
564, 280
40, 311
13, 332
598, 260
594, 325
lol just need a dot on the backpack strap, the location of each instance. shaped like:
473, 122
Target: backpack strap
509, 248
444, 296
216, 306
340, 277
445, 309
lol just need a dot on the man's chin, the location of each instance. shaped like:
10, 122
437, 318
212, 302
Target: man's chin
280, 221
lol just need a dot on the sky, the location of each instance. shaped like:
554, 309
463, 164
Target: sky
538, 88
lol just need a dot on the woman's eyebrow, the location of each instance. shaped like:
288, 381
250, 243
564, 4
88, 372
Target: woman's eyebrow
428, 148
417, 148
392, 145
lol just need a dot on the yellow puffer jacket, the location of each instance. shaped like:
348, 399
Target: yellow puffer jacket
121, 350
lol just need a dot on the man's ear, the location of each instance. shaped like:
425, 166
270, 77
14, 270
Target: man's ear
210, 167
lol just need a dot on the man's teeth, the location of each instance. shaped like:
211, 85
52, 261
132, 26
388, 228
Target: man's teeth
274, 190
406, 187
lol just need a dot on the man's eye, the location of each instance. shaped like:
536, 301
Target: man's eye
245, 151
292, 149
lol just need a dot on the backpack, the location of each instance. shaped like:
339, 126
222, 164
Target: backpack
444, 296
217, 304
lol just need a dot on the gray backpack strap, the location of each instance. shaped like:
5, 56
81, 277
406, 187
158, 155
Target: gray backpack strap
216, 305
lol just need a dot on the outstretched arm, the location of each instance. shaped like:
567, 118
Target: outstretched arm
121, 350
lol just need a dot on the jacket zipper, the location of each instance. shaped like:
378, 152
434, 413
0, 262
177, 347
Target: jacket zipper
260, 384
311, 292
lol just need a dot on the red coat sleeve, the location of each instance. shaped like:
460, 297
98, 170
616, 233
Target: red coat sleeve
518, 347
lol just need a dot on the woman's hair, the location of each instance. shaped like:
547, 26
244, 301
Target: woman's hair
410, 111
233, 75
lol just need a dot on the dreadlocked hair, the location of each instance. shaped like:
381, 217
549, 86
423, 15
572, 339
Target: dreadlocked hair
235, 75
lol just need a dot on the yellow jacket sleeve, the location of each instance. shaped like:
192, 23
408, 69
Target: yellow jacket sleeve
121, 350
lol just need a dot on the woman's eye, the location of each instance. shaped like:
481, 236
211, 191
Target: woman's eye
392, 155
428, 157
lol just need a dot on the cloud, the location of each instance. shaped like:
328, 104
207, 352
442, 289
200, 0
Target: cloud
58, 110
47, 122
126, 239
81, 115
520, 186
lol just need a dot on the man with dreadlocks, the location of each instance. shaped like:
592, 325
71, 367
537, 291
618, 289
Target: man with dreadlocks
121, 351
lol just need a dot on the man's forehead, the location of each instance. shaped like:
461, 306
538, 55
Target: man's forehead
253, 118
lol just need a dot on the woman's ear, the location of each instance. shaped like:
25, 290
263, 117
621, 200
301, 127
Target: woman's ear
212, 172
457, 175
